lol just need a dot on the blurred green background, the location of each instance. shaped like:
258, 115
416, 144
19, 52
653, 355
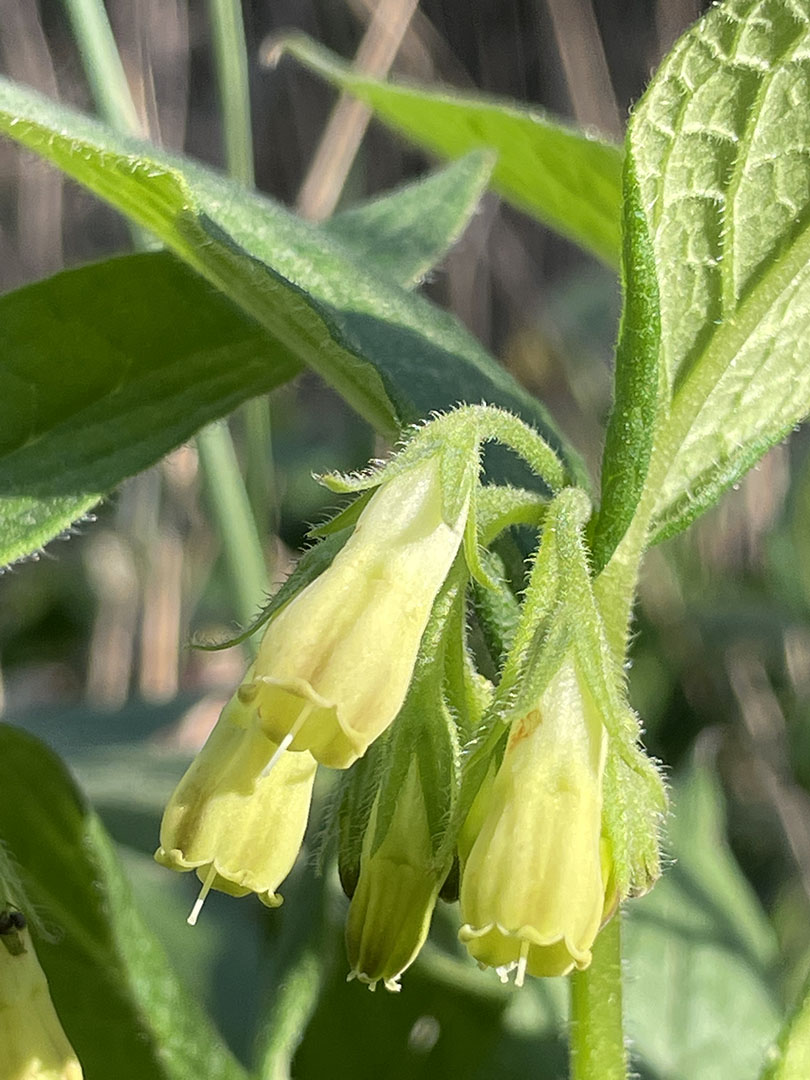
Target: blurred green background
94, 654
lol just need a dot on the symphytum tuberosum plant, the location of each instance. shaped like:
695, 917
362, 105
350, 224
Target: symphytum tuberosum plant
473, 730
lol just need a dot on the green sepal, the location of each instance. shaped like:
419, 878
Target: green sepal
496, 610
310, 566
634, 796
354, 800
473, 552
566, 514
493, 508
500, 506
343, 519
633, 810
560, 618
426, 728
350, 483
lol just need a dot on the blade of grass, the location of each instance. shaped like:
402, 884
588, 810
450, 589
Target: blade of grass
231, 63
229, 501
234, 520
102, 64
230, 59
108, 81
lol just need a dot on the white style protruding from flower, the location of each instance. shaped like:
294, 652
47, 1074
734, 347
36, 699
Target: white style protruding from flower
232, 819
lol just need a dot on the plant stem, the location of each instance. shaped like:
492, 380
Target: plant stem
230, 57
102, 64
235, 523
231, 62
113, 98
108, 81
597, 1037
260, 465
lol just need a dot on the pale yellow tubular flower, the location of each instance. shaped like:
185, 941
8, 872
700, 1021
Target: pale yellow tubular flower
234, 820
390, 912
33, 1045
334, 666
537, 884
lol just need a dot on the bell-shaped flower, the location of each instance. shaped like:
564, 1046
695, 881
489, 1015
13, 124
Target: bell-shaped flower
235, 819
334, 665
390, 912
33, 1045
537, 884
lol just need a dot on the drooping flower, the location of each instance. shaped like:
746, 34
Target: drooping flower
33, 1045
233, 819
334, 666
399, 882
537, 883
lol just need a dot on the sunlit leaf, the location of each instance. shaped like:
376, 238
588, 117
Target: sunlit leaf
721, 149
392, 355
567, 178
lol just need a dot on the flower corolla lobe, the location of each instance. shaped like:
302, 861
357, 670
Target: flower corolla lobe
238, 824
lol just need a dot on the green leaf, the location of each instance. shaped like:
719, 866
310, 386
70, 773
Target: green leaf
567, 178
105, 369
147, 334
404, 233
393, 356
638, 385
721, 151
118, 1000
700, 1000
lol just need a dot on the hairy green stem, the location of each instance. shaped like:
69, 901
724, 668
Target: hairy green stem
597, 1036
234, 519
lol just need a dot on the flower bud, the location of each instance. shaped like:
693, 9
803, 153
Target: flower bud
235, 821
33, 1045
334, 666
537, 883
389, 916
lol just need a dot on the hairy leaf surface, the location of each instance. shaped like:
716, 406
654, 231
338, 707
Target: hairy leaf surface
722, 152
392, 355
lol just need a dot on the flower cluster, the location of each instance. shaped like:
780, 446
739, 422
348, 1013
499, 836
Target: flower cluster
511, 785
